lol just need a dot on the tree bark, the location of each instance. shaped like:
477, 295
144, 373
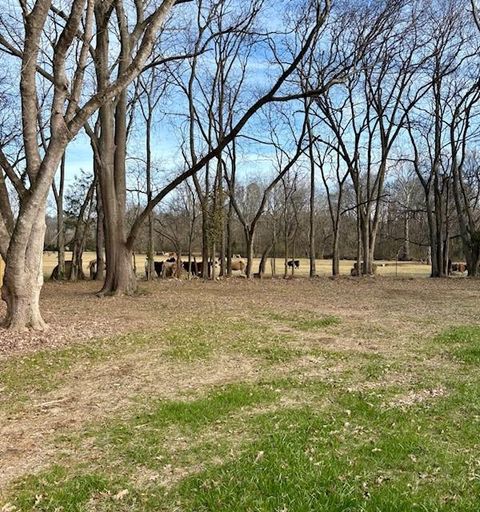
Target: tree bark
100, 237
60, 222
249, 239
23, 279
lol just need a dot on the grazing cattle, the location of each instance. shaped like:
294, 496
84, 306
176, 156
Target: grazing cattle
157, 267
210, 265
68, 272
165, 268
354, 270
193, 267
294, 263
457, 266
169, 267
239, 264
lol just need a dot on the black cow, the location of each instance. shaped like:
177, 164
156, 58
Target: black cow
194, 267
157, 267
294, 263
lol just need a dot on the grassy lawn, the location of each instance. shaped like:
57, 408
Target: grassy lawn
328, 397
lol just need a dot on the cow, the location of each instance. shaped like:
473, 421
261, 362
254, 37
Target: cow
92, 269
170, 267
238, 264
354, 270
165, 268
193, 267
293, 263
68, 272
457, 266
210, 265
157, 268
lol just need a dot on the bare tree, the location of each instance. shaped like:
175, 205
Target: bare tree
62, 62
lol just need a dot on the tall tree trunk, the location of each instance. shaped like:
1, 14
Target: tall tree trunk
249, 240
148, 168
229, 238
100, 237
274, 249
120, 277
205, 241
365, 268
60, 222
23, 278
311, 237
213, 259
406, 236
359, 240
336, 250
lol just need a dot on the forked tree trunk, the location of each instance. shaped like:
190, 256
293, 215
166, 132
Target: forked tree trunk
23, 279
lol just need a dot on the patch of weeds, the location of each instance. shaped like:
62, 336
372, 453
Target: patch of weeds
271, 347
42, 370
374, 367
199, 340
463, 342
277, 353
305, 321
192, 342
312, 324
46, 370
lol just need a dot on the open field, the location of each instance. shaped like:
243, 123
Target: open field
324, 267
298, 395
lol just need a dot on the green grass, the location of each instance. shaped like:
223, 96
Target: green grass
463, 342
306, 321
140, 442
297, 443
355, 456
351, 454
203, 339
143, 438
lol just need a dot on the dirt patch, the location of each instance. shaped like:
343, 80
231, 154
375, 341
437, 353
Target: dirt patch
416, 397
